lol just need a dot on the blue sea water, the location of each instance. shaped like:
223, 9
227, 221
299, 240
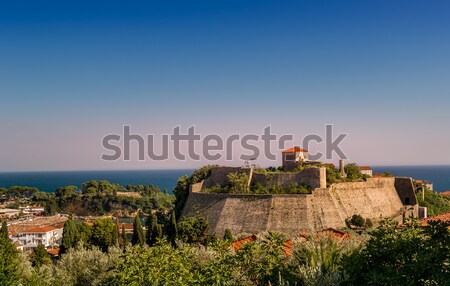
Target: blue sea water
50, 181
438, 175
167, 179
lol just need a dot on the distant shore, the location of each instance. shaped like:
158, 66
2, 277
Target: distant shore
167, 179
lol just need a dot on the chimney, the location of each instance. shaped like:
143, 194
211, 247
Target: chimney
342, 168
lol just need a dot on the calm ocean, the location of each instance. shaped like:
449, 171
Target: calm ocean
438, 175
50, 181
167, 179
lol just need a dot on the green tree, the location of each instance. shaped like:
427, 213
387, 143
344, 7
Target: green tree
138, 232
333, 175
158, 265
353, 172
411, 255
82, 266
69, 238
356, 221
123, 238
193, 230
172, 230
84, 233
9, 263
239, 182
228, 235
40, 256
104, 233
154, 230
181, 192
318, 260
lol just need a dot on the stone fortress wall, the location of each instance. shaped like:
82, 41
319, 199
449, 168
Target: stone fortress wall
375, 198
314, 177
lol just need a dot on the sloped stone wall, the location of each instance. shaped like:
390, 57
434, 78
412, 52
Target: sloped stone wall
325, 207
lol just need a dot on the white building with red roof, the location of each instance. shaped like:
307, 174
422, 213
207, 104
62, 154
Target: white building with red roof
291, 157
366, 170
49, 236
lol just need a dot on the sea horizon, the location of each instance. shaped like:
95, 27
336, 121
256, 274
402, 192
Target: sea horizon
166, 179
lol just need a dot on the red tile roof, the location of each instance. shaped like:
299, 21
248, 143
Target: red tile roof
238, 244
53, 252
442, 217
287, 248
127, 226
294, 149
446, 193
365, 168
333, 233
39, 229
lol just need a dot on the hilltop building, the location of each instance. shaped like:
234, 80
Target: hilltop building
291, 157
366, 170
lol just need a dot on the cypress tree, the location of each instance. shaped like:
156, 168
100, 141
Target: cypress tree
4, 230
228, 236
115, 235
158, 232
152, 224
172, 231
69, 238
138, 232
123, 237
9, 263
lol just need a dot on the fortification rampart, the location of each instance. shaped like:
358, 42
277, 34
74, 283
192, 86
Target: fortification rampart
292, 213
313, 177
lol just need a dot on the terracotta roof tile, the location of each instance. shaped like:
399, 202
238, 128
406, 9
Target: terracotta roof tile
365, 168
443, 217
294, 149
238, 244
39, 229
127, 226
335, 233
53, 251
287, 248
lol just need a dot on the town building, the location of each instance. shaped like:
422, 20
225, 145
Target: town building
36, 210
291, 157
426, 184
366, 170
8, 213
49, 236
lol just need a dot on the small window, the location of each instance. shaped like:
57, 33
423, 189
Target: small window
289, 157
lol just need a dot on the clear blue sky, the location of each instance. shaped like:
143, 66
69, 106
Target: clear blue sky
74, 71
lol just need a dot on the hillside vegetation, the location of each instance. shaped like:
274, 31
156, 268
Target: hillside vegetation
435, 202
94, 198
